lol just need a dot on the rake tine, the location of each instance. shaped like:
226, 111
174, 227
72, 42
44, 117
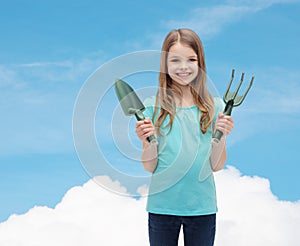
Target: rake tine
228, 87
231, 100
241, 99
239, 86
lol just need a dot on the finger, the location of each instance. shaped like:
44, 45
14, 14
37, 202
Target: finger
145, 127
220, 115
147, 121
225, 123
225, 128
146, 135
228, 118
139, 123
144, 130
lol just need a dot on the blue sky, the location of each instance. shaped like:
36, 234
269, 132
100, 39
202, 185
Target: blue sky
49, 49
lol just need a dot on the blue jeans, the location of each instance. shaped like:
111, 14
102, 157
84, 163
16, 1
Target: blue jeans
197, 230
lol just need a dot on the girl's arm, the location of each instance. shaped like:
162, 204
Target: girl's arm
149, 156
218, 156
145, 129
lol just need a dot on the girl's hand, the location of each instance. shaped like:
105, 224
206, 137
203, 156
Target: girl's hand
224, 123
144, 129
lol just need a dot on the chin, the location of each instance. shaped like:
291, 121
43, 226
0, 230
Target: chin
183, 82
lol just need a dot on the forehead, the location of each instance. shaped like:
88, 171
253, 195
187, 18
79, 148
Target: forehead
181, 50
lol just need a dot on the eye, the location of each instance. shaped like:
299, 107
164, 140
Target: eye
193, 60
174, 60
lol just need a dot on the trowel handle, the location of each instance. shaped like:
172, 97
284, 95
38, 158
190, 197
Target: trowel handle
139, 116
227, 111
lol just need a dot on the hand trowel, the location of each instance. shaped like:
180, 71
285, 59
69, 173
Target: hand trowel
130, 103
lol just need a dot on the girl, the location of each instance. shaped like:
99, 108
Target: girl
183, 116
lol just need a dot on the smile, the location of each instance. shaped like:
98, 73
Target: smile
183, 75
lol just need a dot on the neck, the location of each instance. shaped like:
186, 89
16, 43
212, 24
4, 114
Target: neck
187, 97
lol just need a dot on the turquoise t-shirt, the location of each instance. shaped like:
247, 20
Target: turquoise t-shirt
177, 184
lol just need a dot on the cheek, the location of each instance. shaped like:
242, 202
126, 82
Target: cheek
194, 66
196, 69
171, 68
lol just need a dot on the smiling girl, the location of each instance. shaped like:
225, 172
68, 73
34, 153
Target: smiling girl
183, 116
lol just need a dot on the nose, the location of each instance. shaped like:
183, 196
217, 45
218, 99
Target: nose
183, 66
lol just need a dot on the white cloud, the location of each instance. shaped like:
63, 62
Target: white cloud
209, 21
47, 64
68, 71
276, 91
260, 3
9, 79
249, 214
87, 215
37, 100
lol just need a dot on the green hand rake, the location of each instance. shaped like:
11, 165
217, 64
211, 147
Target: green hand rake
232, 99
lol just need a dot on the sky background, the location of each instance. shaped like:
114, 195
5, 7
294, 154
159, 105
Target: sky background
49, 49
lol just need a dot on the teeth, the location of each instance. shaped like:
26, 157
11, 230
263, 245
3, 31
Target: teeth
183, 74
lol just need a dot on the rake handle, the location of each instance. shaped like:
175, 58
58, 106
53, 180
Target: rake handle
227, 111
139, 116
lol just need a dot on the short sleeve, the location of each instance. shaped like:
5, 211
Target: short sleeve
219, 106
149, 104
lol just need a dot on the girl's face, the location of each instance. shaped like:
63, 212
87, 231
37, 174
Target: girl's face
182, 64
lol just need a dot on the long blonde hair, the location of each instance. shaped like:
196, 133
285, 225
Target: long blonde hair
168, 91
